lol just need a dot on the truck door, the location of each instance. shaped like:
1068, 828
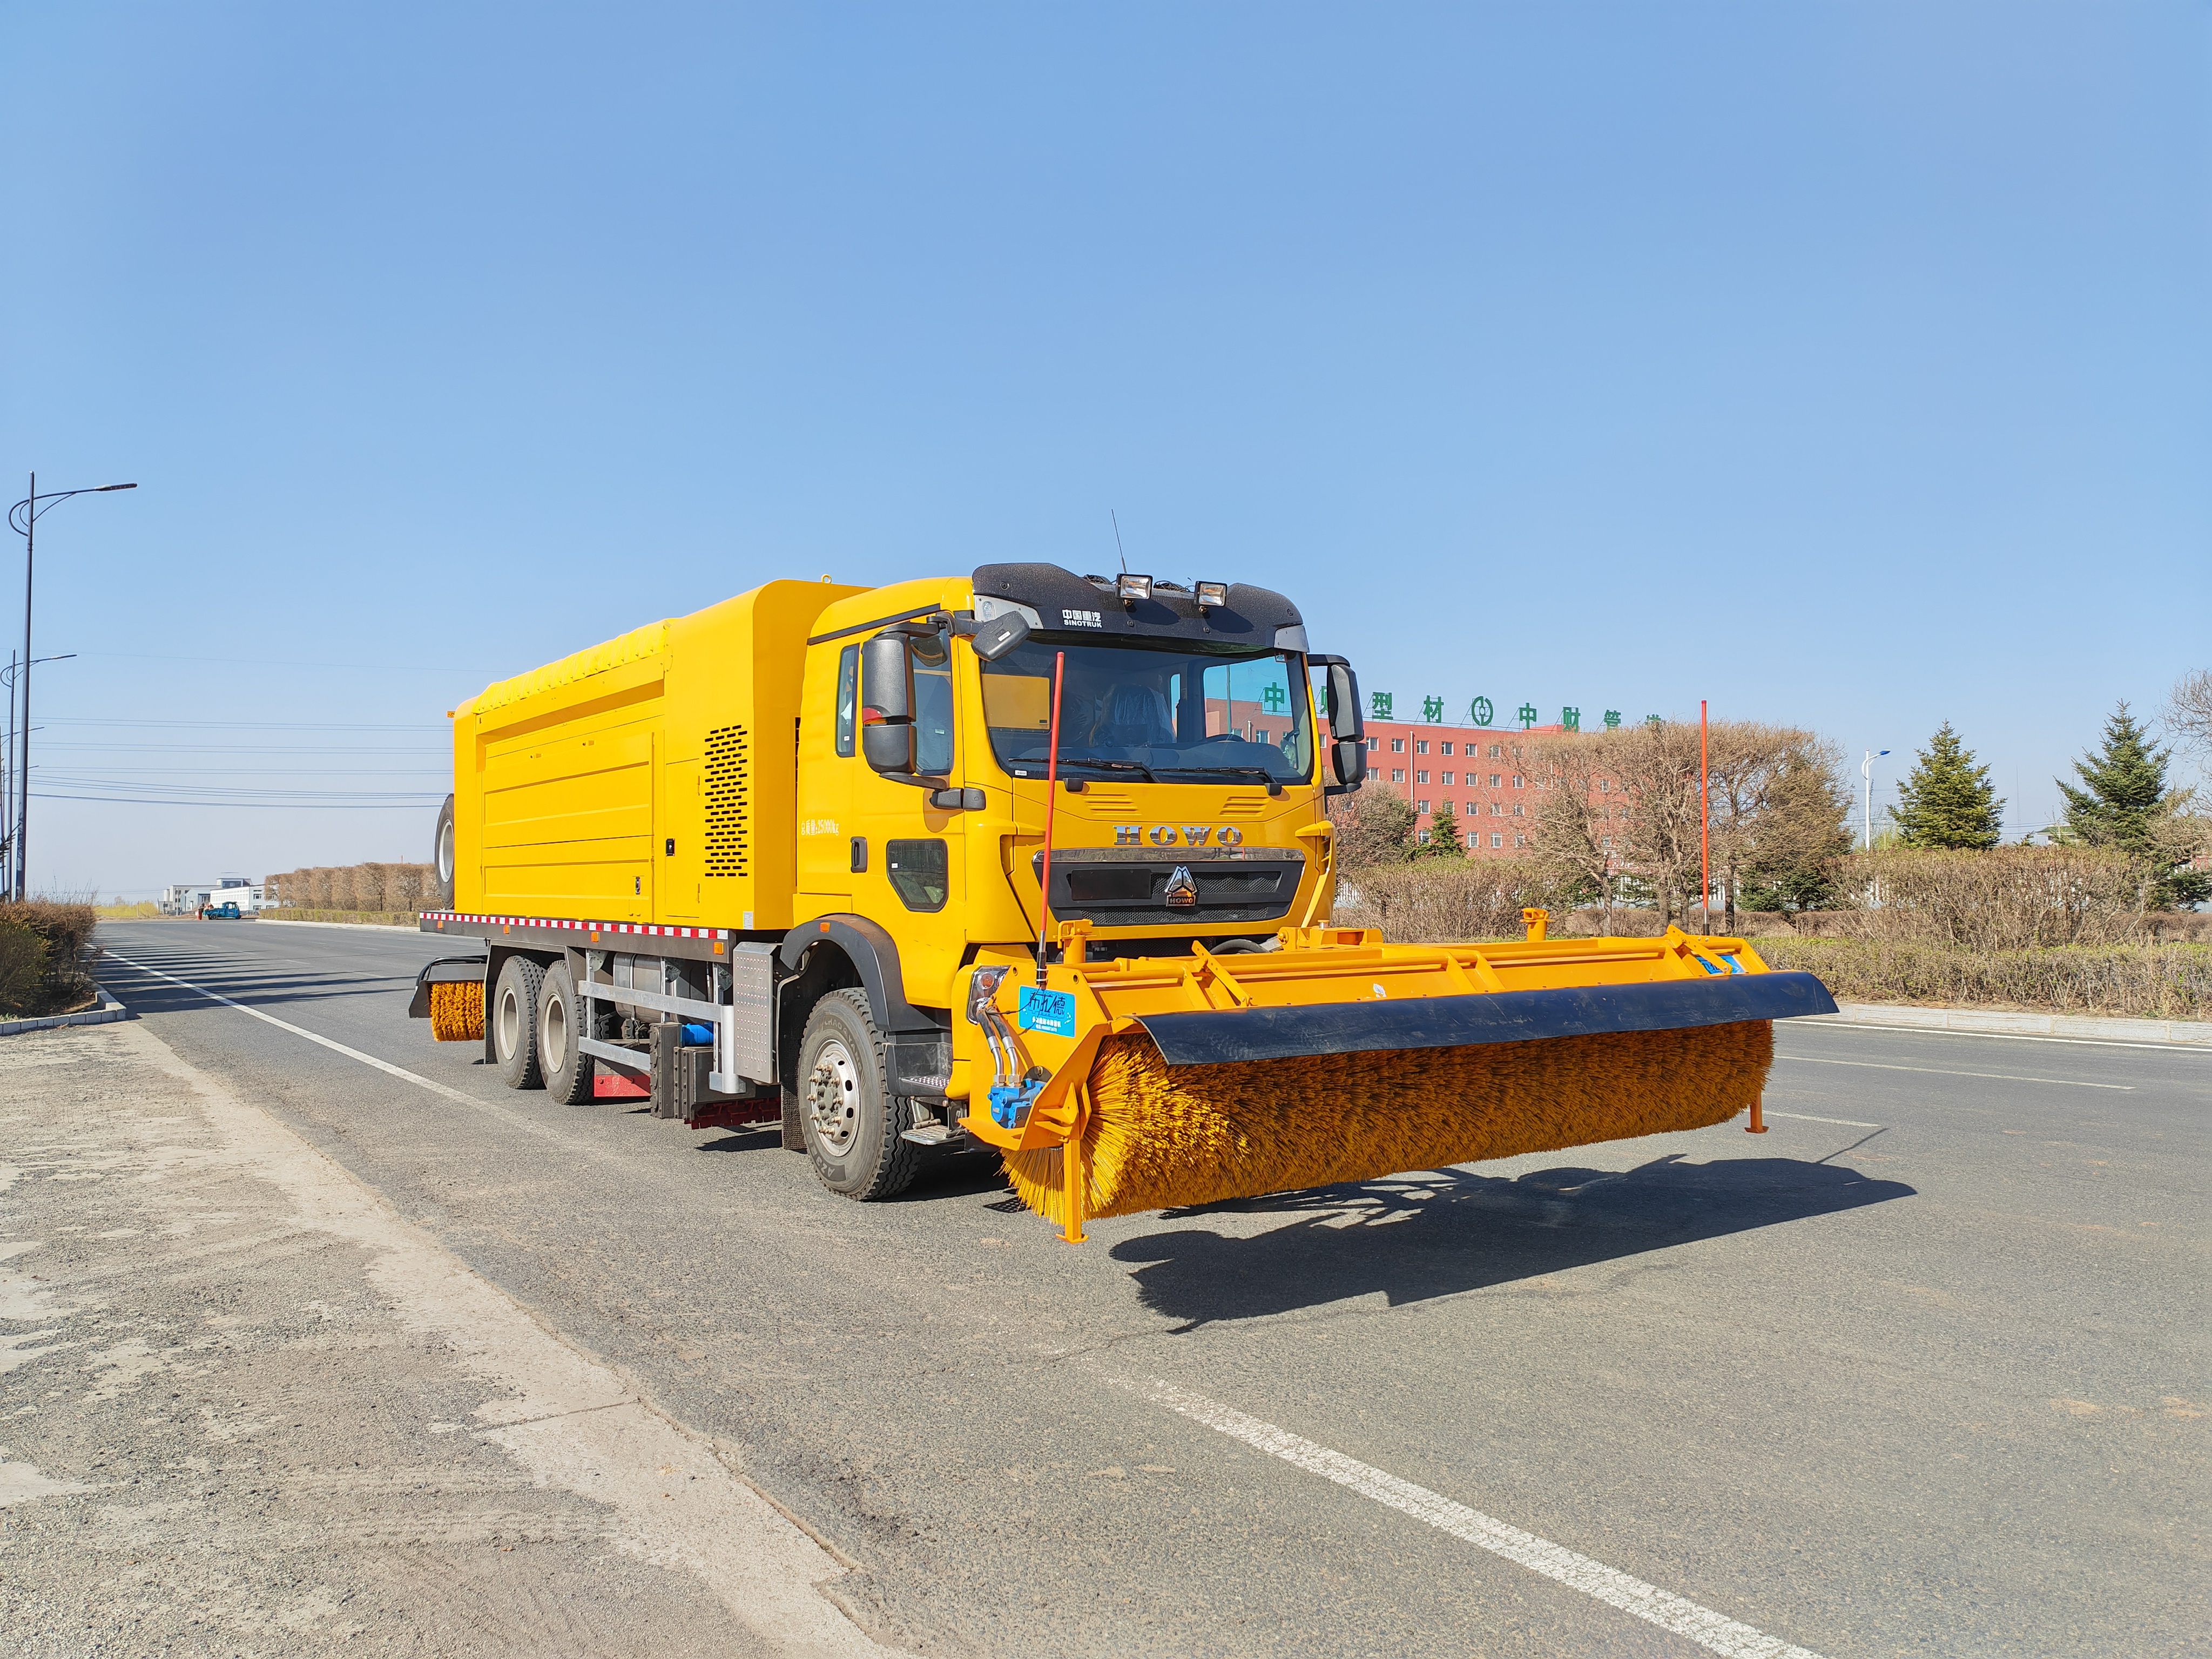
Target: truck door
828, 763
915, 853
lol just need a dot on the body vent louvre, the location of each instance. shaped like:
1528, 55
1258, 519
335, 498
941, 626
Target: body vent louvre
729, 831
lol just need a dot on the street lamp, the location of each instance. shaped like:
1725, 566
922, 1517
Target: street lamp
24, 519
1866, 771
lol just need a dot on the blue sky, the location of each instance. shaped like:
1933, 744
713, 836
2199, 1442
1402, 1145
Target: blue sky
1848, 366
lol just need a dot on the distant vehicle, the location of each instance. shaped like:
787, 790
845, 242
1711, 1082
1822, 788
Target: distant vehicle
220, 913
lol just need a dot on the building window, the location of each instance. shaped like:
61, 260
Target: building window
1421, 806
1517, 781
1420, 745
1605, 786
1498, 841
1397, 745
1495, 780
1422, 836
1420, 777
1497, 751
1497, 810
1520, 840
1517, 809
1606, 844
1445, 747
1397, 775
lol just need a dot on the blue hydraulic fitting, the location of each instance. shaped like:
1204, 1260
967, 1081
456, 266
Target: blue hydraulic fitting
1011, 1101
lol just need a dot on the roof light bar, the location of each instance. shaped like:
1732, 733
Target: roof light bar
1211, 594
1129, 589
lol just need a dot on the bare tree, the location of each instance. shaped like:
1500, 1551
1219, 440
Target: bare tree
1779, 803
1573, 844
2189, 714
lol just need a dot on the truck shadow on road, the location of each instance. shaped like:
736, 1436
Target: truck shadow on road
1416, 1237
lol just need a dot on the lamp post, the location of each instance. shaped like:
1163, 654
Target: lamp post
24, 518
1866, 771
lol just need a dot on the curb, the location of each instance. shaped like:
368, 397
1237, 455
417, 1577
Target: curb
2166, 1033
107, 1014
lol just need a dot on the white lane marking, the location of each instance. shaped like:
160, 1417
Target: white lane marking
1846, 1122
519, 1119
1938, 1071
1830, 1024
1714, 1631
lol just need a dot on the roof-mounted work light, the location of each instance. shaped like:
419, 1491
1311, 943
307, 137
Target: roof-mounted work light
1129, 589
1211, 594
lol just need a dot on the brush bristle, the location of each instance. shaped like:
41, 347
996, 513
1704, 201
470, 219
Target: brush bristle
457, 1011
1202, 1134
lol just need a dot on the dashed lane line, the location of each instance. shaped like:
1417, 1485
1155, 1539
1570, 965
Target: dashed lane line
1714, 1631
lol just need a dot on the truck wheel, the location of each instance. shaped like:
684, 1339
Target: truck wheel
561, 1057
852, 1123
514, 1022
442, 855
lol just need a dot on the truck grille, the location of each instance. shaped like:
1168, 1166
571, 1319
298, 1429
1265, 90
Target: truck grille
1117, 889
729, 833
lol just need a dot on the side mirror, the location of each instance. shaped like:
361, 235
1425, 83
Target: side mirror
888, 737
994, 639
1350, 756
1344, 716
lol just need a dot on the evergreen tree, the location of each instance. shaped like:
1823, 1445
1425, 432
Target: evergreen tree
1443, 841
2124, 803
1948, 801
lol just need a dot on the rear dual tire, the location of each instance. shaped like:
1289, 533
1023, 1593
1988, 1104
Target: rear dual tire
535, 1023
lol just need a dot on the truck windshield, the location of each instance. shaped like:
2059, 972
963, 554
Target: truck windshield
1165, 710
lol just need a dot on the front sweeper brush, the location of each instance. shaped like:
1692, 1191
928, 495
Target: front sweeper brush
1148, 1082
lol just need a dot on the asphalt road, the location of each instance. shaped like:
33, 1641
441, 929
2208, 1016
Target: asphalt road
1921, 1370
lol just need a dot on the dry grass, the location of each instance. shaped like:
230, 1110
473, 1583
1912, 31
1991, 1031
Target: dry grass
2007, 898
143, 910
388, 888
45, 946
1434, 900
2133, 982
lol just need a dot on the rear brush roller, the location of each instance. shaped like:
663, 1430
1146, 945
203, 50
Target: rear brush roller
1158, 1138
456, 1011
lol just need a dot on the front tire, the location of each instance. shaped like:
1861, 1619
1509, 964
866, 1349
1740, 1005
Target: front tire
561, 1057
851, 1120
514, 1020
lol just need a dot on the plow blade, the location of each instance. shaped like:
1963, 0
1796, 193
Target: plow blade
1231, 1036
1147, 1083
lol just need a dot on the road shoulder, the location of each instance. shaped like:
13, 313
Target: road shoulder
242, 1399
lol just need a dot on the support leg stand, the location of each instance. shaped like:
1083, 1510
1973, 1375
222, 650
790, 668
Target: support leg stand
1758, 1124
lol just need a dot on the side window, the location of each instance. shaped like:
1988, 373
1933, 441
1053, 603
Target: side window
932, 713
848, 696
917, 870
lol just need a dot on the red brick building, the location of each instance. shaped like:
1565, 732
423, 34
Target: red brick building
1478, 769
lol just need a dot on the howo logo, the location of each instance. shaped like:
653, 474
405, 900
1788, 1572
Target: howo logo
1169, 835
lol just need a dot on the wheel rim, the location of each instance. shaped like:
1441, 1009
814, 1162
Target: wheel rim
510, 1023
554, 1046
446, 852
833, 1097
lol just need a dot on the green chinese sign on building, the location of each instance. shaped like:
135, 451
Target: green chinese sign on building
1528, 714
1482, 710
1379, 704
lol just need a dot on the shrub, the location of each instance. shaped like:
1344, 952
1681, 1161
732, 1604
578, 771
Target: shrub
2006, 898
2141, 982
48, 980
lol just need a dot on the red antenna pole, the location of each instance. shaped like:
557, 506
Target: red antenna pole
1051, 801
1704, 819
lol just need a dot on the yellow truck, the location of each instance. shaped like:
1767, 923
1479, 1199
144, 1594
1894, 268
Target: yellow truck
1030, 860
